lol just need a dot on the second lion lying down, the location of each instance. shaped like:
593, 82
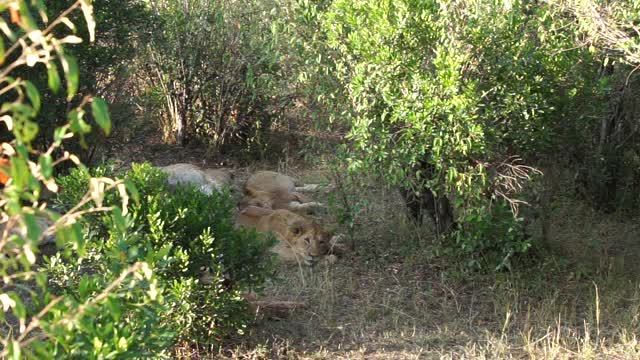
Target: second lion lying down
271, 190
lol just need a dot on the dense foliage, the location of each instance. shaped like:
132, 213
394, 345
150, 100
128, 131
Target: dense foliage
36, 323
202, 262
135, 267
214, 68
456, 101
104, 65
461, 105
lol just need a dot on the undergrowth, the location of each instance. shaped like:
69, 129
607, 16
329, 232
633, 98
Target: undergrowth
396, 296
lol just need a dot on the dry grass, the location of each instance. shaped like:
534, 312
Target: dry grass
388, 301
394, 298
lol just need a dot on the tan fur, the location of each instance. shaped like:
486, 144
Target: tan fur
271, 190
299, 238
220, 177
207, 180
270, 181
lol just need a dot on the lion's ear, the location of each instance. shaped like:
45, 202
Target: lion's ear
256, 211
249, 192
297, 226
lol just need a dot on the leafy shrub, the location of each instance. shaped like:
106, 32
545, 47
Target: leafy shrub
93, 318
103, 65
215, 70
185, 236
496, 236
450, 101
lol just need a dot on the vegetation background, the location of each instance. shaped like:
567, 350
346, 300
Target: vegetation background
485, 158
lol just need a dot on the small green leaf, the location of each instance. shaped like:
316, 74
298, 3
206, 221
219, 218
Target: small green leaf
59, 134
29, 131
119, 220
33, 94
122, 344
115, 309
2, 50
25, 17
133, 191
19, 310
72, 74
46, 165
77, 123
84, 288
33, 229
54, 78
77, 238
7, 30
14, 350
101, 114
19, 172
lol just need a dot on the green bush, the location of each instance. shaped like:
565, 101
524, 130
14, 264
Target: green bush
104, 65
93, 319
134, 270
215, 70
451, 99
184, 236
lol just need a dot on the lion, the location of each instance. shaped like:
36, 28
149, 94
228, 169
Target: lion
300, 240
271, 190
206, 180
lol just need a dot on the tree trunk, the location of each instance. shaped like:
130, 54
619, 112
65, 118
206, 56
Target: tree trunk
437, 207
604, 183
423, 199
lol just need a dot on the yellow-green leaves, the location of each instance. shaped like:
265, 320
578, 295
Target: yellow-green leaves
25, 17
14, 350
133, 191
27, 40
33, 94
19, 171
70, 68
2, 50
100, 112
46, 165
53, 78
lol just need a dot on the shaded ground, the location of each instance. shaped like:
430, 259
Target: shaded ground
395, 297
389, 301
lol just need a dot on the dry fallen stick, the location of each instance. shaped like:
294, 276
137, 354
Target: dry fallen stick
268, 308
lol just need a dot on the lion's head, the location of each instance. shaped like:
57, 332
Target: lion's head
261, 199
306, 236
300, 239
